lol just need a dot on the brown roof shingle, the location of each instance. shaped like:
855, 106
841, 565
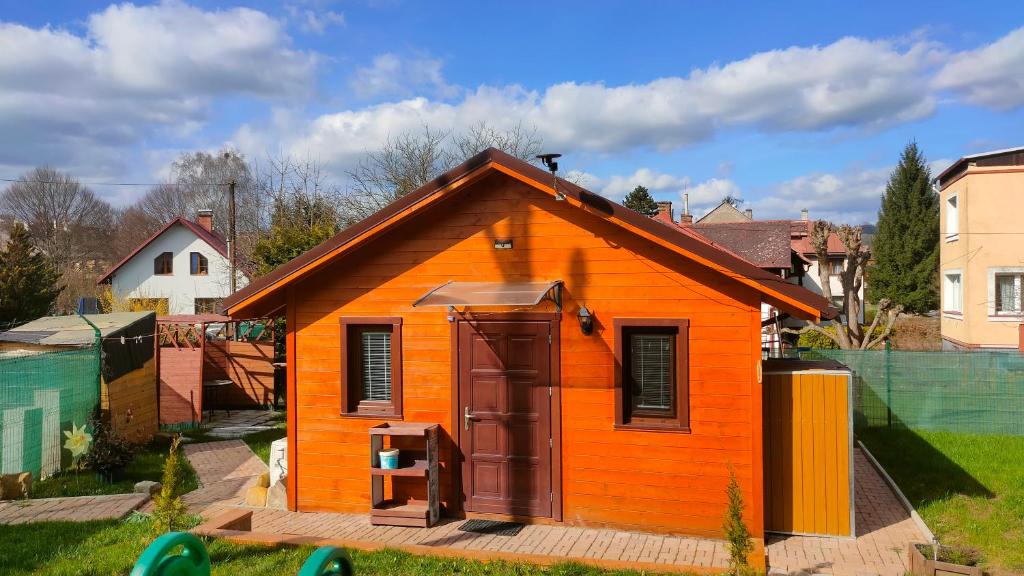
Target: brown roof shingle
765, 243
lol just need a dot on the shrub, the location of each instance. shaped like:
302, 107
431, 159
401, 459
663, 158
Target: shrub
737, 535
108, 453
820, 341
169, 512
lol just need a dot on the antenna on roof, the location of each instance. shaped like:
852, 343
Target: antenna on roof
548, 160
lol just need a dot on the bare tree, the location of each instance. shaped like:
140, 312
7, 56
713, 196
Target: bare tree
65, 219
518, 141
848, 333
403, 164
410, 160
68, 223
295, 193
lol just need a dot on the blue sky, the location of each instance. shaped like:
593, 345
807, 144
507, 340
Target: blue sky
801, 105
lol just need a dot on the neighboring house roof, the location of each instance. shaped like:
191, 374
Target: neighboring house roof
766, 243
690, 244
801, 240
211, 238
724, 212
71, 330
1004, 157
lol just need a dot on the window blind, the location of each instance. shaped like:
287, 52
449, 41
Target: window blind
651, 367
376, 349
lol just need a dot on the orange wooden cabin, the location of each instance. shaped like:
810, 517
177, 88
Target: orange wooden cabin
460, 304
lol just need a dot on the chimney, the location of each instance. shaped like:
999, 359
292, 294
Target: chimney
749, 214
665, 212
205, 219
805, 215
686, 219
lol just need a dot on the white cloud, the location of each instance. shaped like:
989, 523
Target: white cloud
314, 21
992, 75
391, 75
616, 187
78, 100
850, 196
852, 83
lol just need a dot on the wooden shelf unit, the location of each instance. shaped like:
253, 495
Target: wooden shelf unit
412, 464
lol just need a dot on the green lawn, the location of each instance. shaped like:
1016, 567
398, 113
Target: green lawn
969, 489
147, 465
111, 547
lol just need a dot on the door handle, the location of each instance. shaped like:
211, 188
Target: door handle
467, 417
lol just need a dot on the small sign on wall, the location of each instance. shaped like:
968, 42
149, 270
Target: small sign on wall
503, 244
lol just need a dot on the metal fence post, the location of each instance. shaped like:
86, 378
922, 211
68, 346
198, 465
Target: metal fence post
888, 382
99, 359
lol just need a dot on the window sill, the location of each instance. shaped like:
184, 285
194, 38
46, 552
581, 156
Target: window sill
199, 274
654, 428
369, 416
952, 315
1019, 317
952, 238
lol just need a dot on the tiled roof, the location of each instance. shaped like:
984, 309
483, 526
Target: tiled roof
765, 243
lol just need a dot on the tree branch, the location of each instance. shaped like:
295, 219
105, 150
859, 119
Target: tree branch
813, 328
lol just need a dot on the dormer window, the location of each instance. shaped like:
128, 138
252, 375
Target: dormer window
163, 264
198, 264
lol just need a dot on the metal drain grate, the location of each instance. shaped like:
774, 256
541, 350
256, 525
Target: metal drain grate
491, 527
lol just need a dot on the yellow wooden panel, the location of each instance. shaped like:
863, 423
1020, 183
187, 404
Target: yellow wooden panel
807, 473
831, 474
820, 443
844, 472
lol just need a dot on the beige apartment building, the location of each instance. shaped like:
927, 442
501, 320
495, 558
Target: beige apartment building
982, 250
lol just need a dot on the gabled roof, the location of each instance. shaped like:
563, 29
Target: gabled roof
211, 238
724, 212
766, 243
774, 289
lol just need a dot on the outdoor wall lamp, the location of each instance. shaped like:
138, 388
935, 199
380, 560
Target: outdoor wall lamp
586, 320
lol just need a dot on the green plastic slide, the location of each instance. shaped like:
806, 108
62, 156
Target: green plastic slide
182, 554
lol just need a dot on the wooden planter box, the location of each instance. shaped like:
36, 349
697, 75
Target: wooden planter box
921, 566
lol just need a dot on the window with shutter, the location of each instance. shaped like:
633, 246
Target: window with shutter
371, 367
652, 387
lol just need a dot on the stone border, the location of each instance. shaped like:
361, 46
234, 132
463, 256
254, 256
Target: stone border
899, 494
236, 526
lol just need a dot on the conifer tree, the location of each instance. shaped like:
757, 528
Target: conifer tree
640, 200
737, 536
906, 246
28, 279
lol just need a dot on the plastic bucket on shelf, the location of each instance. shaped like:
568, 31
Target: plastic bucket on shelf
389, 459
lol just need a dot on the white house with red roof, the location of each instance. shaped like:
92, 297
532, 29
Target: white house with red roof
185, 263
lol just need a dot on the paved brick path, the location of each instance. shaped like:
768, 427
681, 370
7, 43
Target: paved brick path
225, 470
883, 530
74, 509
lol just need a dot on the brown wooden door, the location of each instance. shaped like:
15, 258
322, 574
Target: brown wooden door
504, 386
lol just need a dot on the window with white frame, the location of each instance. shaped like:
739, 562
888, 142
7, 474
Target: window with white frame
952, 217
1008, 294
953, 292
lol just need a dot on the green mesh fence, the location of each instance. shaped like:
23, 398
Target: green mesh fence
41, 397
973, 392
